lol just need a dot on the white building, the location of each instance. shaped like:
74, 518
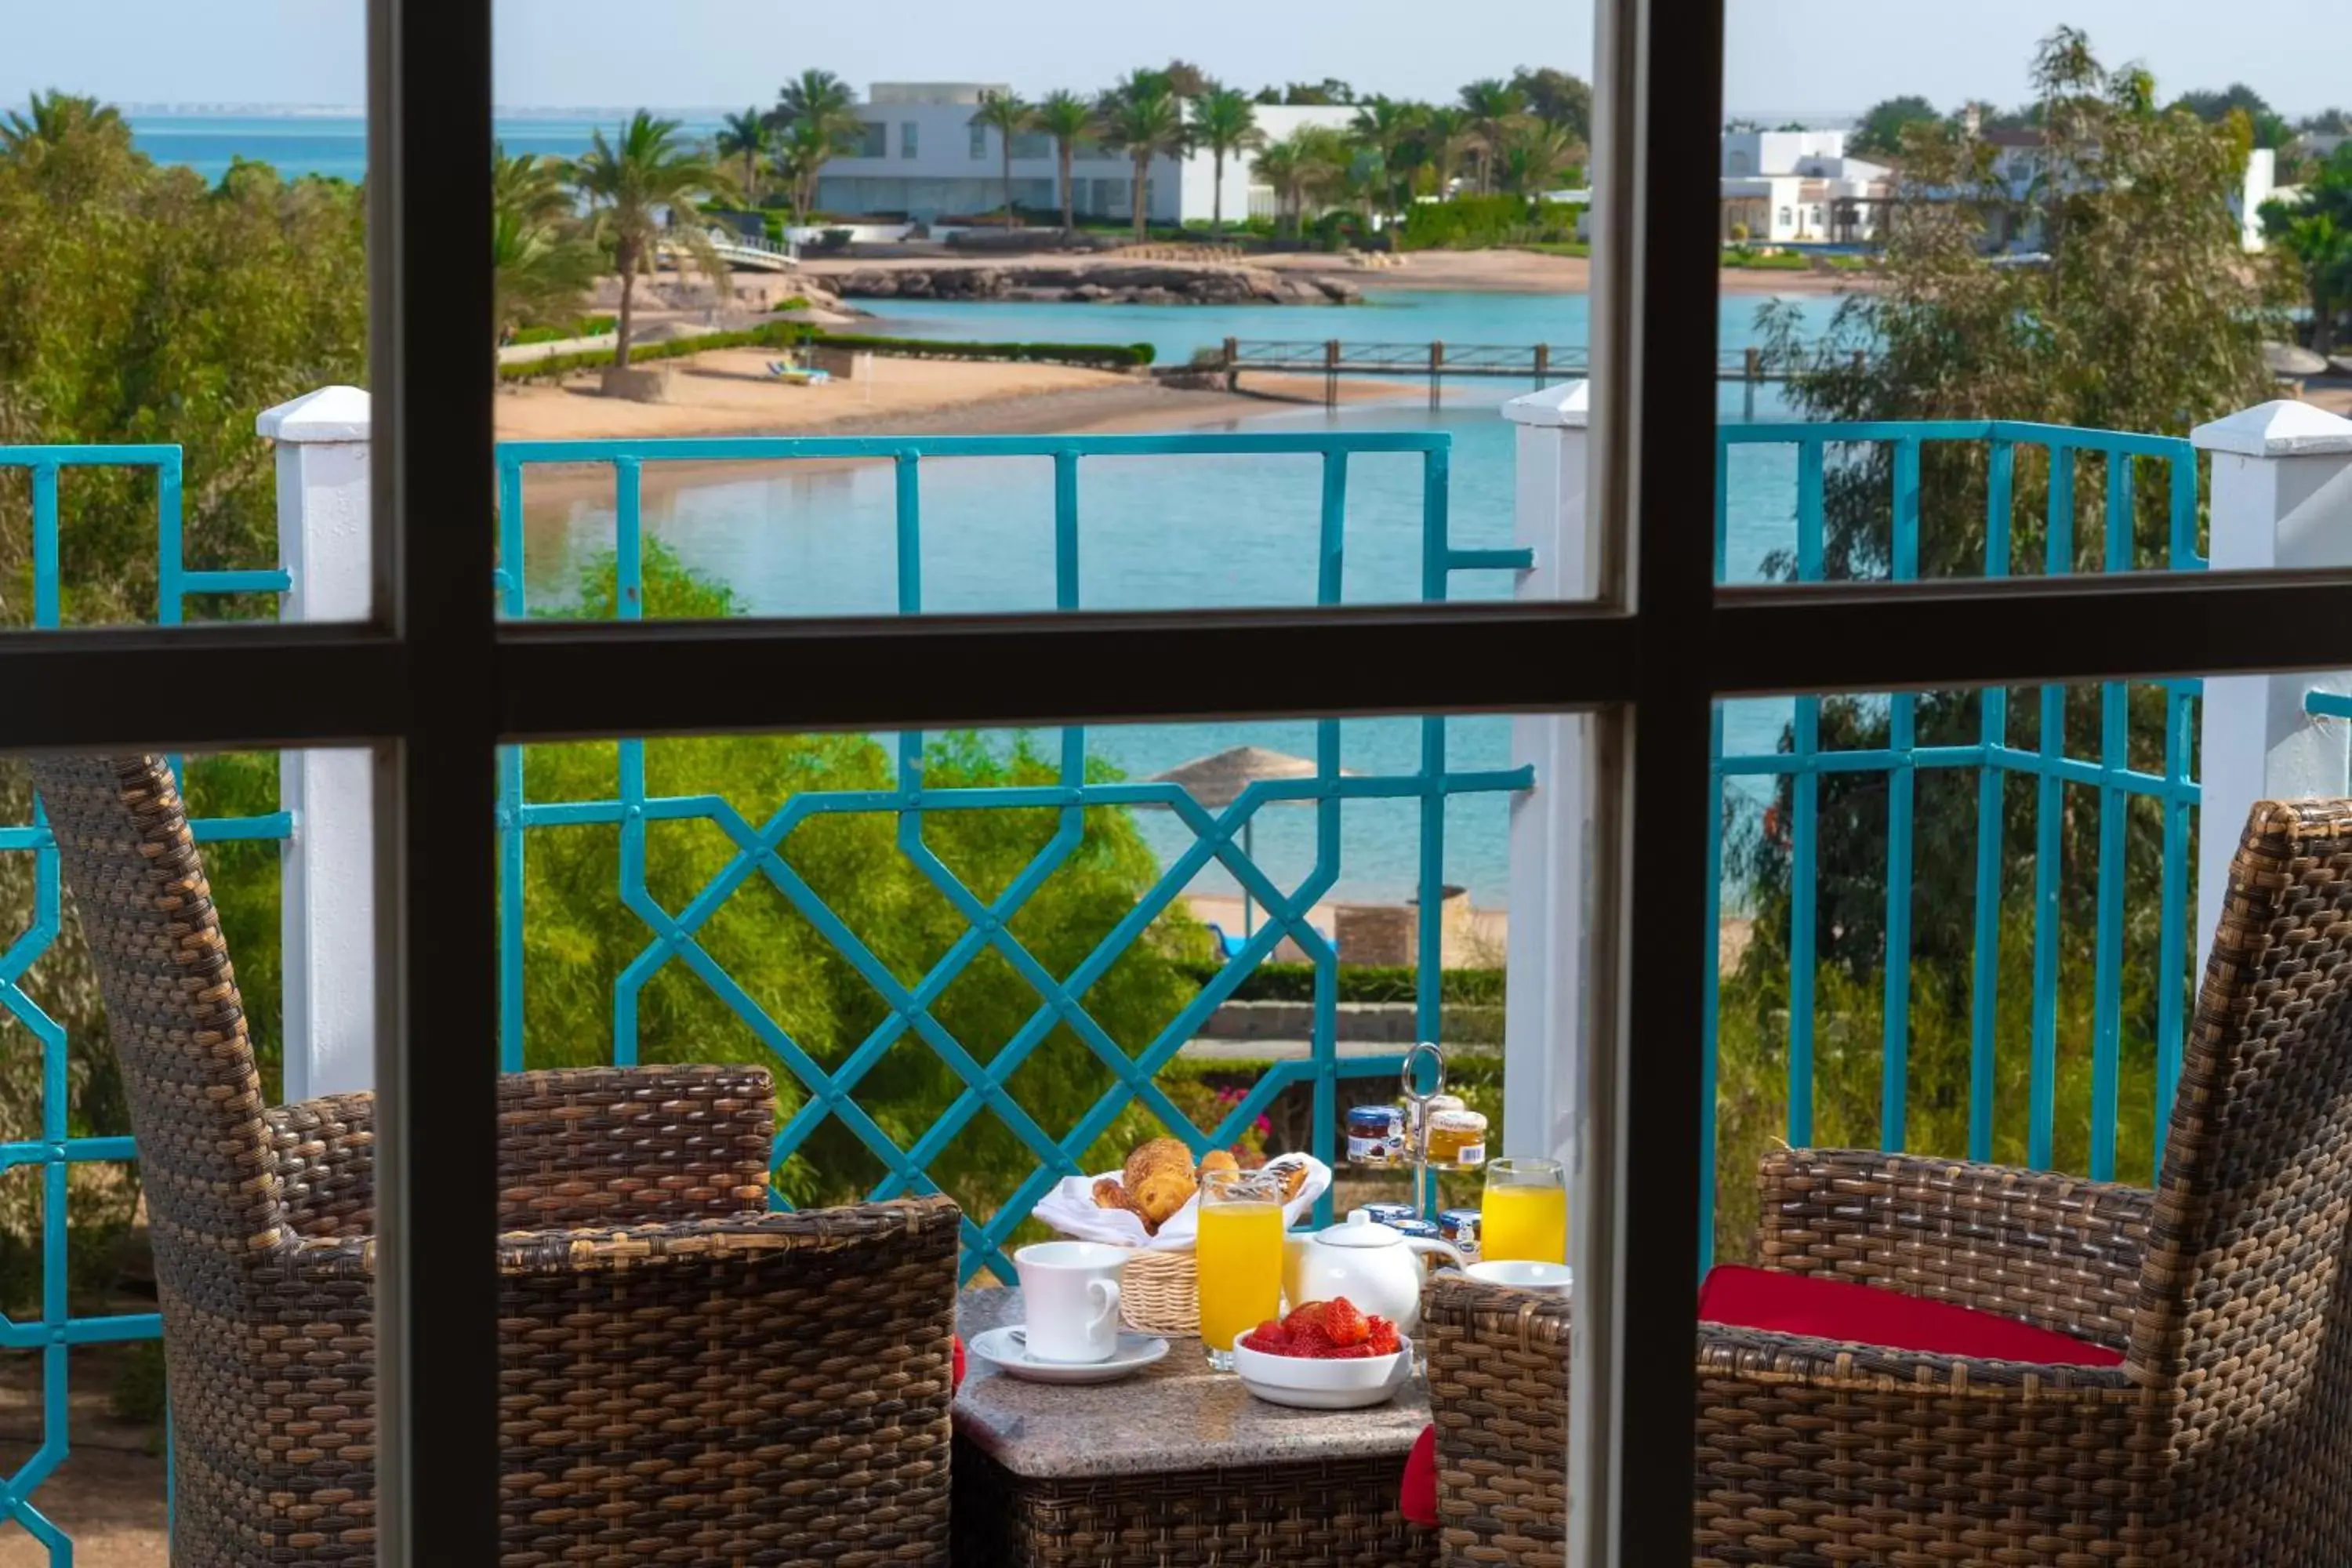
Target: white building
1799, 187
923, 159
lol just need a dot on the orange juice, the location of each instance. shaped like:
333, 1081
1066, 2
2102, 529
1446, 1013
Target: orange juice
1241, 1270
1524, 1221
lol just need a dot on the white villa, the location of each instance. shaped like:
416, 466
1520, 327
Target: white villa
923, 159
1799, 188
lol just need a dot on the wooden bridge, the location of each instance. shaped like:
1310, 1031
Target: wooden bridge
1538, 364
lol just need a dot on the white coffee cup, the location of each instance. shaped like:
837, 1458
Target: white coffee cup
1069, 1294
1523, 1273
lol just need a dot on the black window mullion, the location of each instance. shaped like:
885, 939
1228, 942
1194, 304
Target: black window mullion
1658, 93
436, 1058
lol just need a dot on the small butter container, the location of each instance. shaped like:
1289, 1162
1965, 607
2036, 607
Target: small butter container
1390, 1214
1375, 1134
1420, 1228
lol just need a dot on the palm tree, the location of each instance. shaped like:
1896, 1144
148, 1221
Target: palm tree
1447, 141
1223, 121
1066, 117
1492, 105
1143, 119
818, 115
1303, 167
1008, 116
747, 136
51, 117
629, 185
1534, 156
2323, 249
1393, 131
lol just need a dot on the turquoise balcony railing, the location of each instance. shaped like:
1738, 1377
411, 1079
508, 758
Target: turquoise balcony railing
1885, 461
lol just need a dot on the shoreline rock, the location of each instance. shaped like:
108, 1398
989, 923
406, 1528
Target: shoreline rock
1141, 284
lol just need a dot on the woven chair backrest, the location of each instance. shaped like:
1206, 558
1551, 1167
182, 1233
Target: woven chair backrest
172, 1013
2245, 1302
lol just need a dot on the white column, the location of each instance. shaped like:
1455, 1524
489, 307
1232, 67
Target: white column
1551, 824
2281, 497
327, 919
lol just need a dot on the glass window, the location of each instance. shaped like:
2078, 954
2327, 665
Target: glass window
980, 140
873, 140
1033, 144
909, 130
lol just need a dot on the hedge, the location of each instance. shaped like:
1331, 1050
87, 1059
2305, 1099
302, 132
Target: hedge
1472, 222
1108, 356
774, 335
793, 334
1748, 260
1358, 982
585, 326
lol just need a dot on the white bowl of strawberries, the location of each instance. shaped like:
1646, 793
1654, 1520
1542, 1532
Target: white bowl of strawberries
1326, 1355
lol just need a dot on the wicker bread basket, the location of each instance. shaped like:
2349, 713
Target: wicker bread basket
1159, 1292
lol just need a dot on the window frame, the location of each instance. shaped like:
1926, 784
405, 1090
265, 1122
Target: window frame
1648, 655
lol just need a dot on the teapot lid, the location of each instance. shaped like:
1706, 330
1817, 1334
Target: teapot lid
1360, 1229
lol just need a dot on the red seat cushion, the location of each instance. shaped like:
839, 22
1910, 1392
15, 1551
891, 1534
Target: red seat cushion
1829, 1308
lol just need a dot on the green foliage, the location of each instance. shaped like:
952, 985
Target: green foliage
1357, 982
1100, 356
1880, 133
555, 367
1141, 118
1226, 122
1475, 223
581, 327
539, 259
1556, 98
2269, 128
579, 938
644, 181
1748, 258
136, 1392
2314, 234
142, 305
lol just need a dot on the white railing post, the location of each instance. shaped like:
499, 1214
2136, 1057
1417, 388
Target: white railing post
1551, 824
328, 916
2281, 497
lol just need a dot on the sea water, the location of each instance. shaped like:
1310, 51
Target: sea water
1168, 533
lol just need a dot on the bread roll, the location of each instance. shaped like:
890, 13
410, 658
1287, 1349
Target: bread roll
1219, 1159
1158, 1179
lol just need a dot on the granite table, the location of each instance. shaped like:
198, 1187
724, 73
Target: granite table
1174, 1466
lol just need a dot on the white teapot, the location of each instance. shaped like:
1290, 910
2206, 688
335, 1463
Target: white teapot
1376, 1266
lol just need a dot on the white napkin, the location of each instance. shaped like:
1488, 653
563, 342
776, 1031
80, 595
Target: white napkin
1070, 1208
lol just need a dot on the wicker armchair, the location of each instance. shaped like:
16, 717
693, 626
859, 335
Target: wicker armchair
2225, 1434
686, 1378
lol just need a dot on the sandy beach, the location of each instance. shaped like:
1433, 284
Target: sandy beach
729, 391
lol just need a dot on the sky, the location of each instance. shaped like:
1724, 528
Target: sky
1785, 56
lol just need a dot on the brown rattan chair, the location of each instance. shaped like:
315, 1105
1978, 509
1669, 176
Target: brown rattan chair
685, 1377
2225, 1436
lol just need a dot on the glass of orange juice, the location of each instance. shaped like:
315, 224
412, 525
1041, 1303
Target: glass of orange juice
1525, 1214
1240, 1257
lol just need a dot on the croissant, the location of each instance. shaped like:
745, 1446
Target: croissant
1158, 1179
1219, 1159
1110, 1195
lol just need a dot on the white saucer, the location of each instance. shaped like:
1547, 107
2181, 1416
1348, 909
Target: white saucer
1000, 1347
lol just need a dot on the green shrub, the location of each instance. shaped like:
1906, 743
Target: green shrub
1358, 982
1475, 223
1743, 259
1104, 356
555, 367
556, 332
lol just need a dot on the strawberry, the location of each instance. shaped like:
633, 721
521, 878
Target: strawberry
1345, 1323
1308, 1340
1270, 1337
1385, 1341
1308, 1316
1359, 1352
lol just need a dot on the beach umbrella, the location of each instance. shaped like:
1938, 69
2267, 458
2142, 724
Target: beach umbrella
1216, 781
2292, 359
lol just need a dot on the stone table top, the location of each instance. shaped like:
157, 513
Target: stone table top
1175, 1414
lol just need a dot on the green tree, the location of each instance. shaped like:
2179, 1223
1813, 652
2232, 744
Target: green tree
1304, 168
1556, 98
540, 265
1392, 132
817, 114
1449, 142
631, 183
1225, 121
1008, 116
1536, 157
2315, 232
2270, 128
747, 136
2143, 319
1186, 80
1492, 106
579, 938
1067, 118
1143, 119
1880, 132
